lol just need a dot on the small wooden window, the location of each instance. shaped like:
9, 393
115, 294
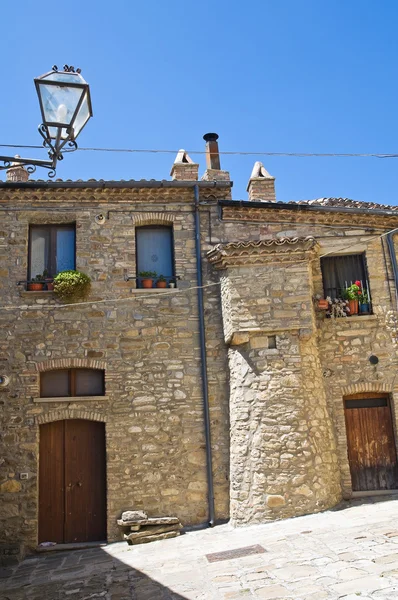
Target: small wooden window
72, 382
155, 252
51, 249
339, 272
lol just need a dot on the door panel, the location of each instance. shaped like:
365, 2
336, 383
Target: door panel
85, 481
51, 482
371, 445
72, 482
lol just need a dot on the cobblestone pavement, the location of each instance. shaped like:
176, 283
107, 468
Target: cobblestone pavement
349, 553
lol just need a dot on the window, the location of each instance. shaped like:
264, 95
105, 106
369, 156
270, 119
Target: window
72, 382
154, 252
339, 272
51, 249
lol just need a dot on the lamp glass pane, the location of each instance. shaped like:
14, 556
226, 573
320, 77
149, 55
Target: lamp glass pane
82, 117
59, 103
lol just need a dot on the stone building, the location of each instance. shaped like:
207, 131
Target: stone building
228, 394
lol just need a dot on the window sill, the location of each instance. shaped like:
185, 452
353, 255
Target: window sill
153, 290
72, 399
40, 294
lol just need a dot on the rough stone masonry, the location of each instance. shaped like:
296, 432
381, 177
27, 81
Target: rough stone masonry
277, 369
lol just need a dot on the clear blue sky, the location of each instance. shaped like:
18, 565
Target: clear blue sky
280, 75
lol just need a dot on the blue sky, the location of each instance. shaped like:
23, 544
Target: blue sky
275, 76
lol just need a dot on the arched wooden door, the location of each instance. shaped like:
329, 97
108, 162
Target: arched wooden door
370, 440
72, 482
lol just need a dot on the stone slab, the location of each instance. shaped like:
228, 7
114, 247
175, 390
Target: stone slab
154, 538
152, 530
133, 515
149, 521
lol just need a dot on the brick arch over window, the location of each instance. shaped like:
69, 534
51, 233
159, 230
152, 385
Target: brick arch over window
67, 413
70, 363
357, 388
152, 218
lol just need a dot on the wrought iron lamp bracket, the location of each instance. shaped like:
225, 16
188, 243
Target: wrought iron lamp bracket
55, 153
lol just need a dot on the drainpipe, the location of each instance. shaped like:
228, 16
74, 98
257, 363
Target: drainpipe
206, 412
393, 257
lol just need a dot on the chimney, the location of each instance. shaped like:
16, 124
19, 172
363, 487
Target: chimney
184, 169
213, 169
261, 184
17, 172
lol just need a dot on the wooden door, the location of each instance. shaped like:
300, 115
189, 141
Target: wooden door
370, 439
72, 482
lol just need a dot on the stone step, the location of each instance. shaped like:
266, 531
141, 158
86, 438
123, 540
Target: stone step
152, 538
152, 530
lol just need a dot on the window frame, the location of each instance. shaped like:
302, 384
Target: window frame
170, 228
72, 382
324, 261
53, 227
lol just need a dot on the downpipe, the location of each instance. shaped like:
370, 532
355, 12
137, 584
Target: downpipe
206, 411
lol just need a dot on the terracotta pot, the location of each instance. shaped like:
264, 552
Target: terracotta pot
161, 284
50, 286
146, 283
35, 287
353, 307
323, 304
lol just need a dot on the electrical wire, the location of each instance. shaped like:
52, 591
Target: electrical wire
225, 152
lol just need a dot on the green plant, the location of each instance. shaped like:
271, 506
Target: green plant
147, 274
72, 286
46, 274
38, 279
364, 297
161, 277
353, 291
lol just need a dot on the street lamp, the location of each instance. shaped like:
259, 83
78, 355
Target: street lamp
65, 105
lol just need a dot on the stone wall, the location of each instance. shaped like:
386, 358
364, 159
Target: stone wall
147, 342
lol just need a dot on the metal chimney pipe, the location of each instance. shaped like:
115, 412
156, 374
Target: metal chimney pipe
212, 152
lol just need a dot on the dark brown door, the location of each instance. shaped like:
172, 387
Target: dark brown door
72, 482
371, 446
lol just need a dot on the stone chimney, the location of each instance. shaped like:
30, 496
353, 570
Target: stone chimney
261, 184
184, 169
17, 172
213, 169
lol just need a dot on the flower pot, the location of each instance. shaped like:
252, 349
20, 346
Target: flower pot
35, 287
50, 286
353, 304
364, 308
146, 283
323, 304
172, 284
161, 284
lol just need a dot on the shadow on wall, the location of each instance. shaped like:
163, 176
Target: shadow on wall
82, 575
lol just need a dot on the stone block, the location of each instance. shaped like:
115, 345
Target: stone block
275, 501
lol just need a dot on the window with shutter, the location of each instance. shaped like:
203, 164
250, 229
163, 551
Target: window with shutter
72, 382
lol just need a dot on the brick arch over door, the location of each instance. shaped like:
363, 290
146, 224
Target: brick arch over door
357, 388
152, 218
70, 413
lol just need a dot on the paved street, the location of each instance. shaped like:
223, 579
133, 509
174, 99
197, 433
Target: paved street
349, 553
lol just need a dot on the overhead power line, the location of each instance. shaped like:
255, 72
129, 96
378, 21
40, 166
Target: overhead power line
224, 152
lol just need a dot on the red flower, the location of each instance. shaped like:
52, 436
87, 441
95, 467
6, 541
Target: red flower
358, 283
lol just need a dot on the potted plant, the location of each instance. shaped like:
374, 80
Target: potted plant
364, 302
352, 294
72, 286
337, 308
36, 284
323, 304
48, 280
161, 282
147, 278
